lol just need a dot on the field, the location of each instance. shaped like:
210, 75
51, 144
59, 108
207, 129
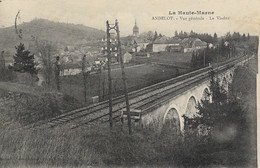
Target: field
138, 77
177, 59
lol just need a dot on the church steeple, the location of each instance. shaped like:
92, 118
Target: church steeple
135, 30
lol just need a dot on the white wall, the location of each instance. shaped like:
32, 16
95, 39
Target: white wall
162, 47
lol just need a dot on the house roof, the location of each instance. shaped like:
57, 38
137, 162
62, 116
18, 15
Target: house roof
200, 43
195, 41
131, 39
127, 54
165, 40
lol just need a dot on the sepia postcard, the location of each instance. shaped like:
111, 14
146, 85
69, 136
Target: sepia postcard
129, 83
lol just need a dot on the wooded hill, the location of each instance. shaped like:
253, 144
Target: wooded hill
59, 33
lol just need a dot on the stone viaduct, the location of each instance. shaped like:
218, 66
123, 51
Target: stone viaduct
185, 102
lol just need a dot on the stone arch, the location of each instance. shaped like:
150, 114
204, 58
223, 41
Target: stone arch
224, 81
171, 122
227, 77
205, 95
231, 76
191, 107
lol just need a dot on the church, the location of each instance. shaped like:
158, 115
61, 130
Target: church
135, 30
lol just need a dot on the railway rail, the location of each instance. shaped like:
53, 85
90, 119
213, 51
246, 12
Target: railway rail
144, 99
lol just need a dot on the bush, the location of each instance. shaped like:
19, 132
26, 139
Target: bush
7, 75
27, 109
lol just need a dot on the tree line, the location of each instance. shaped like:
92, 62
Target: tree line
208, 55
236, 36
203, 36
226, 47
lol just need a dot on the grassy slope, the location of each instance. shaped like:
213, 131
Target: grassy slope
245, 84
99, 147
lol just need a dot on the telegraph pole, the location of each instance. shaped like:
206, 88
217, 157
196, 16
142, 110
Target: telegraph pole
230, 52
84, 77
204, 59
109, 75
2, 61
57, 74
124, 78
101, 83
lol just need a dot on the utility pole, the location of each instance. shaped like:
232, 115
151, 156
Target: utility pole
84, 77
204, 59
57, 72
109, 75
230, 51
124, 78
217, 59
2, 61
248, 59
101, 83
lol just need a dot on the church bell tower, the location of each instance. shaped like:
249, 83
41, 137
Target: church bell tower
135, 30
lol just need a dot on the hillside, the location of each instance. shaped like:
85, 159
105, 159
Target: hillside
60, 33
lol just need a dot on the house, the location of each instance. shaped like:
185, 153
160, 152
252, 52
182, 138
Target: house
127, 57
193, 44
162, 47
226, 43
134, 43
211, 45
175, 48
163, 43
141, 46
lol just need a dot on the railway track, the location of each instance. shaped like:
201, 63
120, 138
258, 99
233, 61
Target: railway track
153, 101
143, 99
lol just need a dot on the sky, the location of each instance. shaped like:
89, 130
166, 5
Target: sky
244, 16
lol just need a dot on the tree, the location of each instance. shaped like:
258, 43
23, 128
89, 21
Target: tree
176, 34
155, 36
222, 111
185, 35
46, 51
24, 61
150, 36
192, 34
193, 60
228, 37
181, 35
243, 37
236, 36
215, 37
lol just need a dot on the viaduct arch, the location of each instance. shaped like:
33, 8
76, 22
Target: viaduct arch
170, 114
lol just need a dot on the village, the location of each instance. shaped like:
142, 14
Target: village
149, 58
136, 47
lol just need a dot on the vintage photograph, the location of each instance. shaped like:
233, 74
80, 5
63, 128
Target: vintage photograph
128, 83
